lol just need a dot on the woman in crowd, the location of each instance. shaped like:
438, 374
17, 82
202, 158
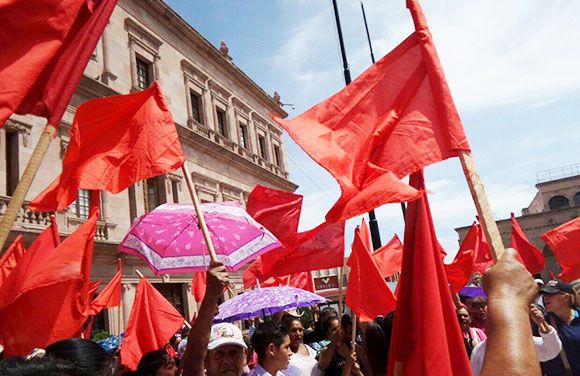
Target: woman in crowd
155, 363
559, 300
471, 336
376, 341
338, 359
303, 356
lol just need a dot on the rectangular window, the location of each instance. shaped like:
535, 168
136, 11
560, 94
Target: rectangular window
143, 73
262, 144
243, 136
132, 203
277, 156
151, 194
196, 107
175, 191
222, 122
82, 203
12, 168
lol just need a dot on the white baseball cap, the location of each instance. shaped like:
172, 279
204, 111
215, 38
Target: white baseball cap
225, 334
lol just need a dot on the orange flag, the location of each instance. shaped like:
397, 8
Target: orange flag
51, 43
460, 270
389, 257
564, 241
425, 341
395, 118
11, 257
152, 322
111, 294
115, 142
46, 296
367, 293
527, 253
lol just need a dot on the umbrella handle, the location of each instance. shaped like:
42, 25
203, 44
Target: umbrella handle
197, 206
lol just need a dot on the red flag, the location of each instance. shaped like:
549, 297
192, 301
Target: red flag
46, 296
423, 283
564, 241
111, 294
530, 256
11, 257
482, 256
276, 210
367, 293
152, 322
199, 285
93, 287
319, 248
253, 274
115, 142
389, 257
460, 270
51, 43
395, 118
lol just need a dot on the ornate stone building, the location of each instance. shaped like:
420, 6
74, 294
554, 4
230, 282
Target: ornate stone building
222, 117
556, 202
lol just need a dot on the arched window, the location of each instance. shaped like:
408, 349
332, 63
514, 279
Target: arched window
577, 199
558, 202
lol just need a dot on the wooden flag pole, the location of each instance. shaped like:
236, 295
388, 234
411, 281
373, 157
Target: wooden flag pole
353, 335
119, 320
482, 204
139, 274
25, 182
199, 213
340, 292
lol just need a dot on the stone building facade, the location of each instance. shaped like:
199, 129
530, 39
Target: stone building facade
556, 202
222, 117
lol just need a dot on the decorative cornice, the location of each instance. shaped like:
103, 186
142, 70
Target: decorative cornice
142, 35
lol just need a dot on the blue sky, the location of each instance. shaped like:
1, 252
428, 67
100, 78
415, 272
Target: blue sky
512, 67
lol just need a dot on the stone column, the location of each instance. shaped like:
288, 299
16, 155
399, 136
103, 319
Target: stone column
132, 55
189, 304
156, 73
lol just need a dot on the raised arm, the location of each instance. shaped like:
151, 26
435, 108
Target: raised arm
510, 348
193, 359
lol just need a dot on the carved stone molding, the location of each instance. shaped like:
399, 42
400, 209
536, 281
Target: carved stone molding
20, 127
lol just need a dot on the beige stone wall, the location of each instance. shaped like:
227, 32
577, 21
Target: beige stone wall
182, 60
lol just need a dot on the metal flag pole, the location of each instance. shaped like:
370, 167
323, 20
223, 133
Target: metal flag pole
373, 224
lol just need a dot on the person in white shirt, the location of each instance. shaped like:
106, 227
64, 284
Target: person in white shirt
548, 345
273, 349
303, 356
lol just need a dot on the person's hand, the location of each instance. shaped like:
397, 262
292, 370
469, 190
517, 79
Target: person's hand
509, 280
537, 315
336, 337
352, 364
217, 279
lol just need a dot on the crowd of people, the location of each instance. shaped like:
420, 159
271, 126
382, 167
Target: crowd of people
496, 329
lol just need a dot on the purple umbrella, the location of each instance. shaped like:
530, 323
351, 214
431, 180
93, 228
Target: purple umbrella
266, 301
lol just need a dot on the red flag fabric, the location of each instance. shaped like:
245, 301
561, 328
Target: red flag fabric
530, 256
51, 285
389, 257
115, 142
93, 287
482, 256
11, 257
423, 283
460, 270
395, 118
367, 293
278, 211
51, 44
564, 241
152, 322
319, 248
199, 285
111, 294
253, 274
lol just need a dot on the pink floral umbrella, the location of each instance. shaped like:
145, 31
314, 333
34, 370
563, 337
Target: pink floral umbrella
170, 240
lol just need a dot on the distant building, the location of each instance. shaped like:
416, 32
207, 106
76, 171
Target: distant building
223, 120
556, 202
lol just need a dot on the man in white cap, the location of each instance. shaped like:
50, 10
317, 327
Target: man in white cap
219, 349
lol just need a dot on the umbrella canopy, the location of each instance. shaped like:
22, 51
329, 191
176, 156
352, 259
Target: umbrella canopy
170, 240
266, 301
